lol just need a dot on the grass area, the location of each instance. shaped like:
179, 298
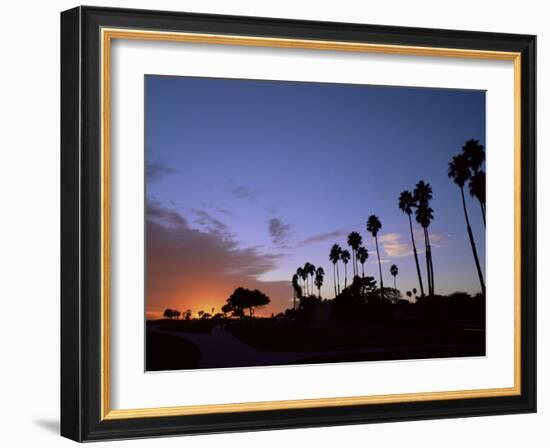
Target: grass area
166, 352
290, 336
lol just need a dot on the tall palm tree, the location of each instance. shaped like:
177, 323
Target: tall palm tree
297, 290
354, 241
373, 226
301, 274
424, 217
475, 154
394, 270
477, 190
362, 255
309, 269
334, 256
319, 278
406, 205
459, 172
345, 256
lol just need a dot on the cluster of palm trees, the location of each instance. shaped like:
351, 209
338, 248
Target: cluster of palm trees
464, 168
418, 201
359, 255
303, 285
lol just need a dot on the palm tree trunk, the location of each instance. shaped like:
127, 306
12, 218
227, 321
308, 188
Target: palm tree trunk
363, 270
432, 285
416, 259
428, 270
394, 284
472, 242
338, 276
334, 278
379, 269
345, 275
482, 205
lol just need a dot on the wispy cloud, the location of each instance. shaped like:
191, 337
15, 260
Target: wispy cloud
210, 223
322, 237
244, 192
279, 231
156, 171
394, 246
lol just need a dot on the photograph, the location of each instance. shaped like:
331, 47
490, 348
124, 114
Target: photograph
297, 223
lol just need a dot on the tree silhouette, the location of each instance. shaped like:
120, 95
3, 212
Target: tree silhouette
168, 313
362, 255
334, 256
475, 154
309, 269
345, 256
226, 309
424, 217
459, 172
406, 205
301, 273
200, 313
394, 270
373, 226
319, 278
176, 314
477, 190
297, 290
188, 314
354, 241
246, 299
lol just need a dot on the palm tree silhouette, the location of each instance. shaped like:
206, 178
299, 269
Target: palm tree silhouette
301, 274
319, 278
334, 256
362, 255
459, 172
475, 154
394, 270
477, 190
354, 241
373, 226
424, 216
297, 290
345, 256
309, 269
406, 205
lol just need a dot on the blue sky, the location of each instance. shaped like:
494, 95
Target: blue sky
276, 172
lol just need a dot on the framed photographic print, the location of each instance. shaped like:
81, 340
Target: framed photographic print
275, 224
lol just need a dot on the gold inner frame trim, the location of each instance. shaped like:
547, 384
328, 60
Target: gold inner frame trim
107, 35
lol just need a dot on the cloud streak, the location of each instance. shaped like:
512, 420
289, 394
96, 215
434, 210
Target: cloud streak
322, 237
278, 231
156, 171
395, 245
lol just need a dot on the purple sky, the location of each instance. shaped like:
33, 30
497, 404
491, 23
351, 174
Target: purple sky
247, 180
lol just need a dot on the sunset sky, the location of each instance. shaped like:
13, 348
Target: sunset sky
247, 180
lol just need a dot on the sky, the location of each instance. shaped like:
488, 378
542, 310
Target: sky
246, 180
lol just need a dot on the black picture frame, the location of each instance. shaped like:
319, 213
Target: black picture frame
81, 224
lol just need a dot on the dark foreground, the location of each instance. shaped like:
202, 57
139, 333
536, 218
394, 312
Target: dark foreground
405, 333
